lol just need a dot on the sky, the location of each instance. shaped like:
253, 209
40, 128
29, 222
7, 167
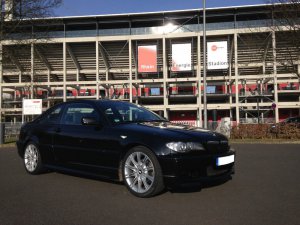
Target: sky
102, 7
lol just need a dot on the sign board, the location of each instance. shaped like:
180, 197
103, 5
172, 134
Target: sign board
147, 59
217, 55
181, 57
32, 106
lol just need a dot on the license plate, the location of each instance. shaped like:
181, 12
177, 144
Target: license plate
221, 161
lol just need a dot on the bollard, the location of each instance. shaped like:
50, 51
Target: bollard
2, 133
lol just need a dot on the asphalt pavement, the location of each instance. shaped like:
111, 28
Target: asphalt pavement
265, 190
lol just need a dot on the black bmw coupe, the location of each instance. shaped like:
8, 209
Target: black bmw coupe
124, 142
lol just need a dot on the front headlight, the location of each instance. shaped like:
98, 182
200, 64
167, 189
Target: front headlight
185, 146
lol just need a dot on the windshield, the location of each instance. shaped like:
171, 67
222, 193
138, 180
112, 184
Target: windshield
123, 112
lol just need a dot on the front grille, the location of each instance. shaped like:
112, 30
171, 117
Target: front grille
217, 146
212, 171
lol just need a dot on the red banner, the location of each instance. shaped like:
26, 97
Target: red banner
147, 59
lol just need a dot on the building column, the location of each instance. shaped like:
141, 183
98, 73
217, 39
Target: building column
229, 87
65, 71
97, 69
199, 99
48, 88
299, 82
165, 76
32, 71
236, 73
298, 69
8, 10
130, 69
1, 80
275, 76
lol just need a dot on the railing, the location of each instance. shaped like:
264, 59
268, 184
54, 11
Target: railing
144, 30
255, 93
114, 32
81, 33
255, 120
215, 93
12, 130
254, 23
185, 122
211, 125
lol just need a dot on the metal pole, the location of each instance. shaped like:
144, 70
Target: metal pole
204, 64
2, 133
23, 116
257, 102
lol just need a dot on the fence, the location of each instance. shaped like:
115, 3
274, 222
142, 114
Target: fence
255, 120
11, 131
186, 122
223, 127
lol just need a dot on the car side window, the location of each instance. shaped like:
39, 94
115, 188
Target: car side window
75, 112
53, 116
127, 113
112, 116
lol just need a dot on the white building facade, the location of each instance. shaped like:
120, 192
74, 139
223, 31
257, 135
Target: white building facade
156, 60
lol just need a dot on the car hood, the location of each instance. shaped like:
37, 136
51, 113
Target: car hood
186, 131
168, 132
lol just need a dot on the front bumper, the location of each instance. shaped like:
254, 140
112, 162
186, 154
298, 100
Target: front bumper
20, 147
194, 169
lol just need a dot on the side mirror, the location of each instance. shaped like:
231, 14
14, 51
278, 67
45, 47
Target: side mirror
89, 121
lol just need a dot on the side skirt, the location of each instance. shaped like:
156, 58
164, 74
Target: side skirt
84, 174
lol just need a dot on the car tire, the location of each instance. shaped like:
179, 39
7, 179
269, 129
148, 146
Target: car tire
32, 159
142, 173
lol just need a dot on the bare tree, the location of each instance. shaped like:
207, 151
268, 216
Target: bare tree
24, 22
19, 16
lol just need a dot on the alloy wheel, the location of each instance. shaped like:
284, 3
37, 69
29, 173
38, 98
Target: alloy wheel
139, 172
31, 157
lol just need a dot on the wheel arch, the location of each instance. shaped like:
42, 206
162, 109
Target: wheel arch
32, 139
126, 149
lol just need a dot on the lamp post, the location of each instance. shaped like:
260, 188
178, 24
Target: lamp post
204, 65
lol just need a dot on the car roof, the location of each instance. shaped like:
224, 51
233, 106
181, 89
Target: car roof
92, 100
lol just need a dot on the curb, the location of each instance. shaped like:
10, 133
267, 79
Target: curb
259, 141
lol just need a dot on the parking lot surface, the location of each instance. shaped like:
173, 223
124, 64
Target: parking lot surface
264, 190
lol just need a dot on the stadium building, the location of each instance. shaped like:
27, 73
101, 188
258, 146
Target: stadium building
156, 60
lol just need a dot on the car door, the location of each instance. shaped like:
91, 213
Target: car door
80, 146
45, 130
